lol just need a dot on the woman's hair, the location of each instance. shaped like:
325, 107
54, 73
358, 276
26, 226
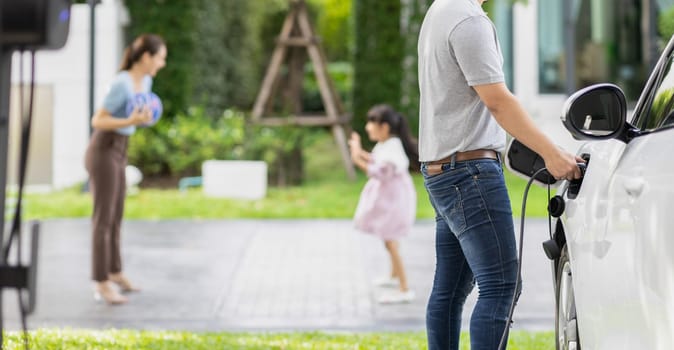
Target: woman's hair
398, 126
150, 43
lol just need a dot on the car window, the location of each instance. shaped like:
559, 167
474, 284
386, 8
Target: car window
660, 113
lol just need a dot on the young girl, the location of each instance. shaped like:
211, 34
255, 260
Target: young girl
106, 160
387, 205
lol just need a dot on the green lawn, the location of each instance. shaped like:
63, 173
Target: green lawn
326, 194
316, 199
139, 340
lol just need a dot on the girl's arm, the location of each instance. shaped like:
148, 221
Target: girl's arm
360, 157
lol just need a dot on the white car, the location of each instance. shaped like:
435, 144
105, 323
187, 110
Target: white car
613, 245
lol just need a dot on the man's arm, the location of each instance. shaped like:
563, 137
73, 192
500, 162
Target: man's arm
512, 117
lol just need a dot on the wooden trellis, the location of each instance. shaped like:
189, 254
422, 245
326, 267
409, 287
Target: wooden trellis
296, 41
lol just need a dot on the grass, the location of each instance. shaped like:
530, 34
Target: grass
316, 199
165, 340
326, 194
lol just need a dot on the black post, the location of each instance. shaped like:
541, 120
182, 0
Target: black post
570, 46
5, 85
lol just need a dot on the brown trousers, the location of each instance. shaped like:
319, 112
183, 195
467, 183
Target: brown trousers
106, 162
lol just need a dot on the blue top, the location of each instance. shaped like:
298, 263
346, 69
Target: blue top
121, 90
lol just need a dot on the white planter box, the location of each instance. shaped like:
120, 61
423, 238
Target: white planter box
239, 179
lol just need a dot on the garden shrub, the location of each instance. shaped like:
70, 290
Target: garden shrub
378, 57
178, 148
666, 23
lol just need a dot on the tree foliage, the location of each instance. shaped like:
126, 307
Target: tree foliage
216, 50
378, 56
411, 18
174, 21
334, 25
666, 23
385, 59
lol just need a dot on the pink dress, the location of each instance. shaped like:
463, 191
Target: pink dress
388, 202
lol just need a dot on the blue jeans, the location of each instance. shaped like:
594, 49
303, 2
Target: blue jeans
475, 242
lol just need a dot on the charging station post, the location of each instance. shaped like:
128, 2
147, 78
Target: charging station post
26, 26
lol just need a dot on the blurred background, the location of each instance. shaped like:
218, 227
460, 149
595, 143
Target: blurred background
219, 51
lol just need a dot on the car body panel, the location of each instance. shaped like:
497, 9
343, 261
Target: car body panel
619, 230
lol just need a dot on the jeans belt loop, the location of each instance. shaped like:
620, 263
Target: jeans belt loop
452, 161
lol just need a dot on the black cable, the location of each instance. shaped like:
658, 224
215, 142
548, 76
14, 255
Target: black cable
23, 161
549, 216
18, 212
506, 331
26, 136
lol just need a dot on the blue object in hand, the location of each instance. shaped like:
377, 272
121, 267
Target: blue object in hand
143, 99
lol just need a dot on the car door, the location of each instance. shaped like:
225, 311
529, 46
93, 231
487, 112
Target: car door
641, 215
620, 229
641, 223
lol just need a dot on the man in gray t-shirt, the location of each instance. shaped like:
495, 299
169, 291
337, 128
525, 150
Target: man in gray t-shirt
464, 109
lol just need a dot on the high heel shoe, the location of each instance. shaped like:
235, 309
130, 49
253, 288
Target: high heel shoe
104, 292
123, 283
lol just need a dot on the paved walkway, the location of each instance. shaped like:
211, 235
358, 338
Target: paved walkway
254, 275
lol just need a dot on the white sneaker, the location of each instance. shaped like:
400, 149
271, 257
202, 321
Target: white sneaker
386, 282
397, 297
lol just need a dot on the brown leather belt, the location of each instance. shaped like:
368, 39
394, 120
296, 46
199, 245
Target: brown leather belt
435, 167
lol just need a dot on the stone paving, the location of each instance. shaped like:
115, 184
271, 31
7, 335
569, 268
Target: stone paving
273, 275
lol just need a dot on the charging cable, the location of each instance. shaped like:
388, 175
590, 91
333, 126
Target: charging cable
582, 166
502, 345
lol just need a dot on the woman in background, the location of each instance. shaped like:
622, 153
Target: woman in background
106, 160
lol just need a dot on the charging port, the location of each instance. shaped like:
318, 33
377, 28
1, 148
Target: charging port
574, 185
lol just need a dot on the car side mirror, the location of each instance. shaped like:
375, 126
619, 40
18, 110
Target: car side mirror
597, 112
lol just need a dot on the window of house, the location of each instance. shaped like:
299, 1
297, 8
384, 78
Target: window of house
501, 13
551, 73
607, 44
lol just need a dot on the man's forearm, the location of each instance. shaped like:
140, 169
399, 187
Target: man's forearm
515, 120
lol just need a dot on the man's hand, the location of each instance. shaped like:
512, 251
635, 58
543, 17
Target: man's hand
563, 165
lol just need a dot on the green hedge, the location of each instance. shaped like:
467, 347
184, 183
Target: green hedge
174, 21
377, 58
224, 77
217, 49
666, 24
413, 14
385, 58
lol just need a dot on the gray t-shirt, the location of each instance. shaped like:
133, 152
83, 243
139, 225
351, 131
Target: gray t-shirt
458, 49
